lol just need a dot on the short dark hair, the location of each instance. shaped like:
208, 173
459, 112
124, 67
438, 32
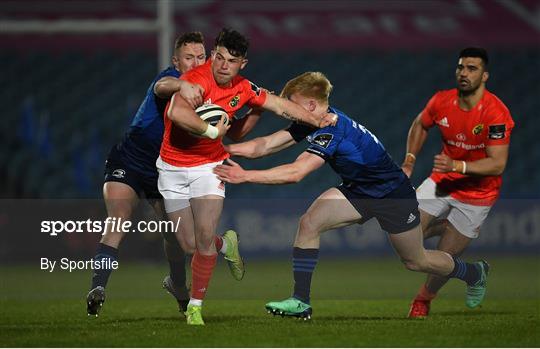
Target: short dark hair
186, 38
476, 52
233, 41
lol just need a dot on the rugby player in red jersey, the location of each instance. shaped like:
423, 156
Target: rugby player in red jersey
192, 192
455, 200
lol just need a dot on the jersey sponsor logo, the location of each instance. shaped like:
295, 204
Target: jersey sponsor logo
465, 145
443, 122
119, 173
461, 137
255, 88
478, 129
234, 101
322, 140
497, 131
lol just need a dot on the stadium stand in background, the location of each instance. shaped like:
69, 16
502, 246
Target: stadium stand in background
62, 115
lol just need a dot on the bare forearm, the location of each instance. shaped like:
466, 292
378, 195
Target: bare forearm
283, 174
240, 128
251, 149
294, 112
483, 167
167, 86
183, 116
290, 110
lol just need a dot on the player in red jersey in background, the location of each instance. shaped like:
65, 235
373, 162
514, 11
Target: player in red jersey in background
191, 190
455, 200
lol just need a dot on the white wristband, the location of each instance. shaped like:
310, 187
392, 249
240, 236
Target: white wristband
411, 155
211, 132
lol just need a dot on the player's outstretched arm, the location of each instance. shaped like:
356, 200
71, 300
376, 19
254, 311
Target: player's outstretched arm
241, 127
165, 87
292, 111
289, 173
183, 115
262, 146
415, 141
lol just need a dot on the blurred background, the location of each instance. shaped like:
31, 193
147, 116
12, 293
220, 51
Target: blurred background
73, 73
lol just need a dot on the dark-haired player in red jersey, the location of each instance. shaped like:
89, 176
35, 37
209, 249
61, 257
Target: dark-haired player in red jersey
130, 171
192, 192
455, 200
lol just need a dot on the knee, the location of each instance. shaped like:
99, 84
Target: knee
415, 265
188, 246
204, 240
307, 225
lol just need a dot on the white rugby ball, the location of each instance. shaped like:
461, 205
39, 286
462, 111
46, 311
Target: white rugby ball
212, 113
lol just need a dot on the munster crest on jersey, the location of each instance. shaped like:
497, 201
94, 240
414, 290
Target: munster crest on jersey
478, 129
234, 101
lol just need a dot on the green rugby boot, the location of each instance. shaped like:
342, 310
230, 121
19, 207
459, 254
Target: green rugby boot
477, 291
290, 307
232, 255
194, 315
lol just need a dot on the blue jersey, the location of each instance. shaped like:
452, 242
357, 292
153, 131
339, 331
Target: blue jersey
140, 146
355, 154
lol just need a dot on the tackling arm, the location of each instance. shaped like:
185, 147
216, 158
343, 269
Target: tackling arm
262, 146
240, 128
415, 140
289, 173
165, 87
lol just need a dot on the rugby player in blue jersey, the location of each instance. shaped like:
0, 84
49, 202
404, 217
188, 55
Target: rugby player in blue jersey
374, 186
130, 170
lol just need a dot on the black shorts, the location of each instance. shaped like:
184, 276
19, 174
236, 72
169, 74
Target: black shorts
396, 213
118, 170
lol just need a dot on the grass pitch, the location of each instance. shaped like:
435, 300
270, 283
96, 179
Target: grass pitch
356, 302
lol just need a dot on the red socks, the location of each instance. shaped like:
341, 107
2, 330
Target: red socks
424, 294
218, 241
201, 272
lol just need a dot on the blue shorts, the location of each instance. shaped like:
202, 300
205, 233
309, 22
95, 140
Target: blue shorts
397, 212
117, 169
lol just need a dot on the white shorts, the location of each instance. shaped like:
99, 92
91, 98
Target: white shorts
178, 185
467, 219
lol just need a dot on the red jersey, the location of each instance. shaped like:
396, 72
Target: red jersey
465, 136
179, 147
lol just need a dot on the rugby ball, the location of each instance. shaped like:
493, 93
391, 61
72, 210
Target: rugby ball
212, 113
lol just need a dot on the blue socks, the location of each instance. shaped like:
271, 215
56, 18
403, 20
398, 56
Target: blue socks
101, 276
467, 272
177, 262
304, 262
